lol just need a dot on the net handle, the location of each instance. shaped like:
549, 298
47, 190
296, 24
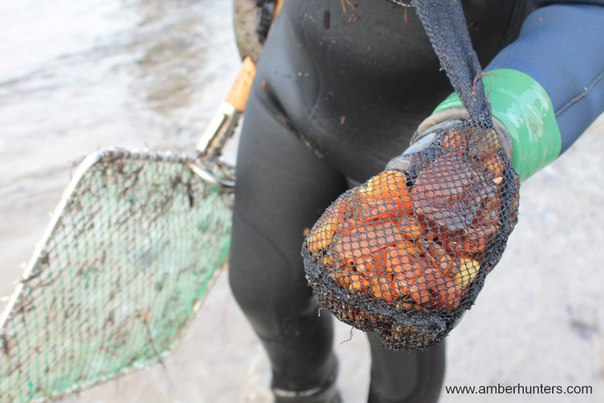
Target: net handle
240, 89
446, 27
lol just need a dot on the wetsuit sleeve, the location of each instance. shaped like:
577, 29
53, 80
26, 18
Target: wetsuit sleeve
562, 47
547, 87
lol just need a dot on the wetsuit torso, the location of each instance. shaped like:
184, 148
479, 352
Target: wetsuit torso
354, 81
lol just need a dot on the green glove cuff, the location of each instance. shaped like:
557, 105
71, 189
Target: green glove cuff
524, 108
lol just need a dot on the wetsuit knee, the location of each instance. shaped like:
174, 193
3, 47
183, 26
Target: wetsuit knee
261, 276
281, 310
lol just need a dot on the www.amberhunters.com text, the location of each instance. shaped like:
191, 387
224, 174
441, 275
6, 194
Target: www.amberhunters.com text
519, 389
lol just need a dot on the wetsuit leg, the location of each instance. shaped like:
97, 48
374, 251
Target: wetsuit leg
282, 188
405, 377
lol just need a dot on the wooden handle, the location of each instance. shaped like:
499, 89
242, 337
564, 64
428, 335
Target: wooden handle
277, 8
240, 90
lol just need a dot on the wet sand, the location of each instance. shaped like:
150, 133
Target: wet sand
151, 73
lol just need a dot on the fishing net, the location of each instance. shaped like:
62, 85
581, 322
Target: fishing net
405, 254
123, 266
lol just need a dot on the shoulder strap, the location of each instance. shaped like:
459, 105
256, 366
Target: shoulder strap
446, 27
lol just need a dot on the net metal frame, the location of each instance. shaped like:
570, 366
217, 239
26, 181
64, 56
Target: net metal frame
124, 264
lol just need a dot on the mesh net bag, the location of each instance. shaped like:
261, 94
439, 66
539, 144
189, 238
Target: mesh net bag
405, 254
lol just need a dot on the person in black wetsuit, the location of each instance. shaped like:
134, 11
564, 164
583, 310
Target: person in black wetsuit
339, 91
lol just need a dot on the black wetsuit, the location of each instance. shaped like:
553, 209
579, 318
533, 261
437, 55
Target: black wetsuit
355, 85
338, 93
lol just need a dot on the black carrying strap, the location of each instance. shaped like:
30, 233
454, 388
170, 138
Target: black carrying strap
446, 27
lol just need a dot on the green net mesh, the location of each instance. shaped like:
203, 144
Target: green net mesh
121, 271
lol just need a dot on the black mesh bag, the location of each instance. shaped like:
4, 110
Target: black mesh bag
405, 254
